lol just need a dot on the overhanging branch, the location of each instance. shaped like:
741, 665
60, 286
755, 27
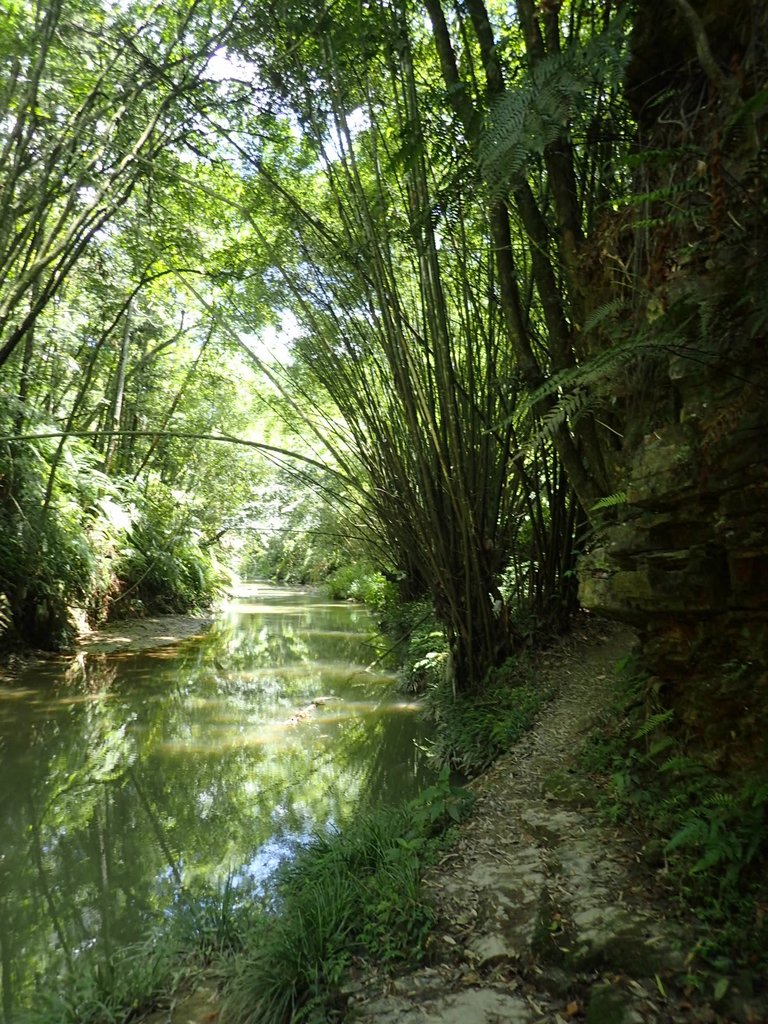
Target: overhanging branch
226, 438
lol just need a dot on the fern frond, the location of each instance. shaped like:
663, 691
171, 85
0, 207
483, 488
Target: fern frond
531, 116
611, 501
693, 832
653, 722
603, 313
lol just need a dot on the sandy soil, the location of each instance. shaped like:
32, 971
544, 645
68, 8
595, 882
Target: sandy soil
133, 635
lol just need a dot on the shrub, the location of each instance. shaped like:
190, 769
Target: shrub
473, 729
360, 581
163, 566
51, 557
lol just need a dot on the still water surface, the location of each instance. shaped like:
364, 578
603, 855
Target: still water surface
125, 777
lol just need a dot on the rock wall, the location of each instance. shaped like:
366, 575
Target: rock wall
687, 563
685, 558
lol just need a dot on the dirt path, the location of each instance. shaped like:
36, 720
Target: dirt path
546, 914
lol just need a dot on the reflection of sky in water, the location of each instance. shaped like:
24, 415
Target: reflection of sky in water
256, 871
215, 758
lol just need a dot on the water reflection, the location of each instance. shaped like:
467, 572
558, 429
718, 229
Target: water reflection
126, 777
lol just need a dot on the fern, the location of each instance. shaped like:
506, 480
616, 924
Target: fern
681, 764
605, 312
534, 114
653, 722
567, 408
598, 373
692, 833
611, 501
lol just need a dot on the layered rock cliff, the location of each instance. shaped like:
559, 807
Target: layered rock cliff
685, 556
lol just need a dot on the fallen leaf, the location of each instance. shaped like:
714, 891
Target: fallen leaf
721, 988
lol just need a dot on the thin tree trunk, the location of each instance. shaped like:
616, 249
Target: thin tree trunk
116, 407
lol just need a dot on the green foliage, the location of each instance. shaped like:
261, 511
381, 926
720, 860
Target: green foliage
713, 827
554, 92
727, 827
70, 537
348, 894
473, 729
164, 567
419, 644
611, 501
52, 555
361, 581
295, 535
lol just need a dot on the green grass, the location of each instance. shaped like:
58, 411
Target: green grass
349, 895
473, 729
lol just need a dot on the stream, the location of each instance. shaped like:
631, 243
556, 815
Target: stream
129, 777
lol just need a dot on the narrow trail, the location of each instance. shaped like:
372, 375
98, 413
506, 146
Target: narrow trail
546, 914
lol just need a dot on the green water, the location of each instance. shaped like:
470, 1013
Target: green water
127, 777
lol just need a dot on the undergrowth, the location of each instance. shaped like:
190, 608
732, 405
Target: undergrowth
281, 956
359, 581
349, 895
473, 729
709, 830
